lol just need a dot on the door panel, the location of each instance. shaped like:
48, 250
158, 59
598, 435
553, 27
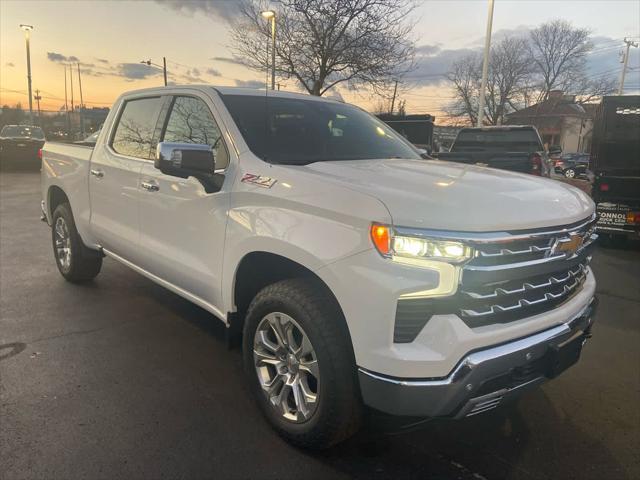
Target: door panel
182, 227
115, 176
182, 233
114, 192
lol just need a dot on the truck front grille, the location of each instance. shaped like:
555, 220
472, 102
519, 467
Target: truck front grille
530, 273
513, 275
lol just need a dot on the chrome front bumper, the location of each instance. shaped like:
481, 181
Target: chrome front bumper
484, 378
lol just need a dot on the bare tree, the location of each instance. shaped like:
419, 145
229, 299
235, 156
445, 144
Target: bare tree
589, 89
465, 77
323, 43
509, 71
559, 52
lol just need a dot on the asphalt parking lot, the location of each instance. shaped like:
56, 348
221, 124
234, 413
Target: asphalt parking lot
123, 379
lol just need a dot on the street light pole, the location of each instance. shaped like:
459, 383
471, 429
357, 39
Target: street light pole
163, 67
271, 16
485, 65
626, 62
27, 31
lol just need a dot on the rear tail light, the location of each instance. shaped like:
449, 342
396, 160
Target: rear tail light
633, 218
40, 153
604, 187
536, 164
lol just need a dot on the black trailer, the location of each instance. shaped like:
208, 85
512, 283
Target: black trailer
615, 156
418, 129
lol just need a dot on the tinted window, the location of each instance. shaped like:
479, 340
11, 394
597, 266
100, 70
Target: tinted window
298, 131
22, 131
497, 140
134, 132
191, 121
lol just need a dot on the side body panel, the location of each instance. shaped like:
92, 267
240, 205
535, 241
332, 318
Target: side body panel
67, 167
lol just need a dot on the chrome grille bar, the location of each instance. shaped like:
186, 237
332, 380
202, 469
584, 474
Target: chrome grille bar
548, 296
507, 251
526, 286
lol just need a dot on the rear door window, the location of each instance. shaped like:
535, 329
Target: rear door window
134, 132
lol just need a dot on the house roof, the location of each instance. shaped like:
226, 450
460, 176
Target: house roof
553, 108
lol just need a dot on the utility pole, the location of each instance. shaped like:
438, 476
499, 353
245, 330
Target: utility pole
164, 69
27, 35
37, 98
629, 43
81, 101
66, 105
485, 65
393, 99
71, 83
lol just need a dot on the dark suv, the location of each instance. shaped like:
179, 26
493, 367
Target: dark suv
572, 165
19, 145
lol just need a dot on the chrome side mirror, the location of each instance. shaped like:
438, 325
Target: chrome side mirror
185, 159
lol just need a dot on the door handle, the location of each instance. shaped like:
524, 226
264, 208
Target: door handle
150, 186
97, 173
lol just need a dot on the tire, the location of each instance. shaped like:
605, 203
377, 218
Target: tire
75, 261
569, 173
336, 413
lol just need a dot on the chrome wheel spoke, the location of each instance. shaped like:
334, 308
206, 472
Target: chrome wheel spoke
300, 400
62, 243
309, 396
279, 330
262, 358
310, 367
263, 341
286, 366
280, 399
305, 347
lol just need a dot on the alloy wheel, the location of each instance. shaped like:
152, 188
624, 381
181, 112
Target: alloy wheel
287, 367
63, 244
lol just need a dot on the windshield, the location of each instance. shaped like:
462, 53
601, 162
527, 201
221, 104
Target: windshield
298, 132
497, 140
22, 131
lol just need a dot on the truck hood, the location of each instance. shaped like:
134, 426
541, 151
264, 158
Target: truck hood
451, 196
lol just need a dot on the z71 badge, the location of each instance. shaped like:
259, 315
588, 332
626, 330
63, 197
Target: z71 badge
265, 182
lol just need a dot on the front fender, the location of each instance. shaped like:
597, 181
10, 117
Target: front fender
312, 234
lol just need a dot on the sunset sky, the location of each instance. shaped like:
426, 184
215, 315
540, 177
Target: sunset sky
109, 38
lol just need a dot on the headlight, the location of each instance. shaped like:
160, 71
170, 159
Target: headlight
392, 245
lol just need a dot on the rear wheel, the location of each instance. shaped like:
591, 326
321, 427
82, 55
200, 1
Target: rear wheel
75, 261
569, 173
299, 363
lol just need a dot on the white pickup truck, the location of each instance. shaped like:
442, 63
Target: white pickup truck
359, 275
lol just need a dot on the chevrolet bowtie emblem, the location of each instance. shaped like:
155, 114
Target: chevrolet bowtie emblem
568, 246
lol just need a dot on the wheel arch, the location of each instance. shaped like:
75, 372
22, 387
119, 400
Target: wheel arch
258, 269
56, 196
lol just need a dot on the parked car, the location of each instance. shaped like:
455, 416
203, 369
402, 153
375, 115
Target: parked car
615, 151
20, 144
356, 274
515, 148
572, 165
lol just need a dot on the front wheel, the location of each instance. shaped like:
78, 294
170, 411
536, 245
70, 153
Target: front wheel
75, 261
569, 173
300, 365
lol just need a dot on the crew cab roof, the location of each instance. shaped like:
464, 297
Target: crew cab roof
228, 91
